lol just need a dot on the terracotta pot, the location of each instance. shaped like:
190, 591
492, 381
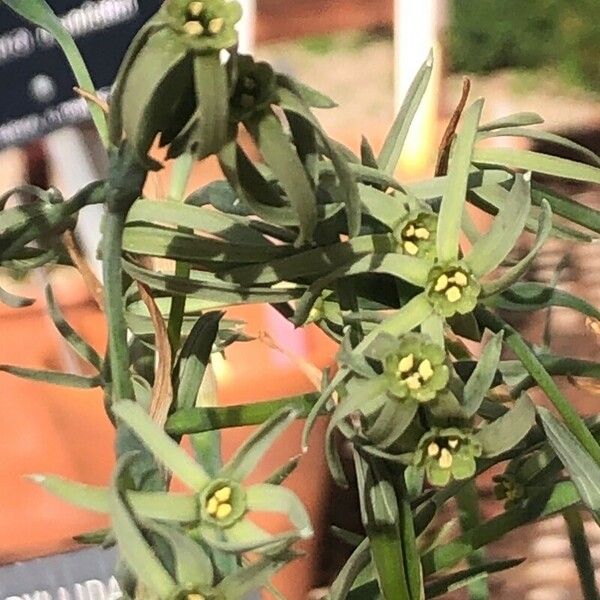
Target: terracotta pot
47, 429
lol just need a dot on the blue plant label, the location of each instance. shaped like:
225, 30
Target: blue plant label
82, 575
37, 94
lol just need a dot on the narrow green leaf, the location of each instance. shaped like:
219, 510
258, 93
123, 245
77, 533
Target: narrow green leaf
162, 446
151, 505
544, 136
356, 563
460, 579
511, 275
247, 456
531, 296
538, 507
71, 336
201, 419
412, 558
493, 247
13, 301
41, 14
133, 548
564, 206
483, 376
194, 357
583, 469
193, 566
312, 263
54, 377
521, 119
408, 268
251, 578
453, 201
281, 156
309, 95
508, 430
537, 163
215, 292
267, 497
381, 519
292, 104
531, 362
394, 142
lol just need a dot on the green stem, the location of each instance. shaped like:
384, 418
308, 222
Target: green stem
470, 517
531, 362
581, 554
122, 386
179, 180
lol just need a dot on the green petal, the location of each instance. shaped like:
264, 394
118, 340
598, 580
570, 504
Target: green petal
249, 454
492, 248
266, 497
161, 445
436, 475
463, 466
453, 201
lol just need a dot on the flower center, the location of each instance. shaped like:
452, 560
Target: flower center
414, 373
199, 21
218, 505
412, 235
451, 284
442, 450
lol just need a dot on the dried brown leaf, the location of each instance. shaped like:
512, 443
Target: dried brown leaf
162, 392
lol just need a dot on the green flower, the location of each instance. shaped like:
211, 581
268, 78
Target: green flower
416, 369
452, 288
208, 25
508, 488
172, 83
447, 454
217, 511
254, 89
416, 234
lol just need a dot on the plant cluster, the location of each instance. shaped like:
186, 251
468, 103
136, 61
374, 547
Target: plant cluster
334, 239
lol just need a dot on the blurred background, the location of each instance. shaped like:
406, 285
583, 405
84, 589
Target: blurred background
539, 55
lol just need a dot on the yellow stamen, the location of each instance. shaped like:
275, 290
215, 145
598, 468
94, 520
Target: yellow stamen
411, 248
216, 25
195, 597
223, 511
413, 382
433, 449
460, 279
406, 364
453, 294
409, 231
223, 494
441, 284
193, 28
425, 370
422, 234
212, 506
445, 460
453, 443
195, 9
